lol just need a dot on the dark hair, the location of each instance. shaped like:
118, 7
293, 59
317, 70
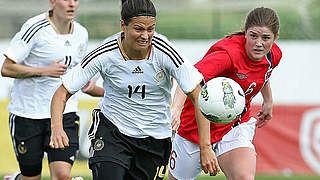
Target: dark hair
263, 17
134, 8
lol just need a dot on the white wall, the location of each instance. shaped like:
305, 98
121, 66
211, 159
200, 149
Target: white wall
294, 81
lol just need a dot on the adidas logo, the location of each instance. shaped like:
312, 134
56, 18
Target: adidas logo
72, 158
67, 43
137, 70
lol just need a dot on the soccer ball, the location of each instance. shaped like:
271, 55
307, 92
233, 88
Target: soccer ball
221, 100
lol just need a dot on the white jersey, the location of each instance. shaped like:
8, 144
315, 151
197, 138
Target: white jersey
137, 93
37, 45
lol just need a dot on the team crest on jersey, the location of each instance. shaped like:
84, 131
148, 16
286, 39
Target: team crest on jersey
81, 49
98, 145
22, 148
241, 76
160, 75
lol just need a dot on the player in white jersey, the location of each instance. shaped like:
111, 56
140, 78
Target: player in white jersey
46, 47
130, 133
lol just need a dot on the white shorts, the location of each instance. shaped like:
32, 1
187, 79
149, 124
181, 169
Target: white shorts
184, 162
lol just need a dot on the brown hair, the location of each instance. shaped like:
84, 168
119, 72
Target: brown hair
263, 17
134, 8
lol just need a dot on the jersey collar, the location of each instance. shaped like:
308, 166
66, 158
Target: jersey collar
124, 55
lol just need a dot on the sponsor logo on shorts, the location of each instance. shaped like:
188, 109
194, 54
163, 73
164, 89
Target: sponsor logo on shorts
72, 158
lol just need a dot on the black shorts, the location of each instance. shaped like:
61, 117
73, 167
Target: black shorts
31, 139
143, 158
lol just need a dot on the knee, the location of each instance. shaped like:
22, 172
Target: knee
61, 175
242, 176
60, 170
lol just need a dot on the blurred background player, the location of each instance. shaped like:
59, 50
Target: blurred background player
130, 133
248, 57
46, 47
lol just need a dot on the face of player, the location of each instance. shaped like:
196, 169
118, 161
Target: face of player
138, 35
64, 9
259, 41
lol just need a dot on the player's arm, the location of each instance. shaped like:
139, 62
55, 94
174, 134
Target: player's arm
92, 89
59, 138
265, 114
15, 70
177, 105
209, 162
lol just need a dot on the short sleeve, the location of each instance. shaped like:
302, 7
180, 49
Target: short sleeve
176, 64
80, 75
21, 44
276, 54
187, 76
213, 64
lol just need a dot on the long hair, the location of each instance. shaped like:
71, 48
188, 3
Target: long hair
134, 8
263, 17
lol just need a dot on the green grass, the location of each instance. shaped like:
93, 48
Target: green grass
222, 177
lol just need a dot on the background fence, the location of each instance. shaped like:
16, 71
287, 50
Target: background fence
177, 19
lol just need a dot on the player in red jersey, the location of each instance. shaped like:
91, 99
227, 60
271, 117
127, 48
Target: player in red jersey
248, 57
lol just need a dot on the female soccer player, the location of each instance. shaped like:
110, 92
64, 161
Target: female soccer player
248, 57
130, 133
46, 47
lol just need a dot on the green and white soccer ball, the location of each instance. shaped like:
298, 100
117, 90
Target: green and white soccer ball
221, 100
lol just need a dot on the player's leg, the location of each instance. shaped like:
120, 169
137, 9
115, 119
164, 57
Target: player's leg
238, 164
61, 160
107, 170
150, 158
18, 176
184, 162
110, 154
27, 140
60, 170
30, 178
236, 153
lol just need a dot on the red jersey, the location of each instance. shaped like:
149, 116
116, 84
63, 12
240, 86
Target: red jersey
228, 58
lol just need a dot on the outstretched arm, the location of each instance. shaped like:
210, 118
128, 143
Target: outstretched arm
209, 162
59, 138
265, 114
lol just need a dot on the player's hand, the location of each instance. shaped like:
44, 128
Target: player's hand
265, 114
209, 162
55, 69
59, 139
175, 122
89, 86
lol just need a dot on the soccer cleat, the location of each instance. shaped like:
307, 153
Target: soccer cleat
15, 176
